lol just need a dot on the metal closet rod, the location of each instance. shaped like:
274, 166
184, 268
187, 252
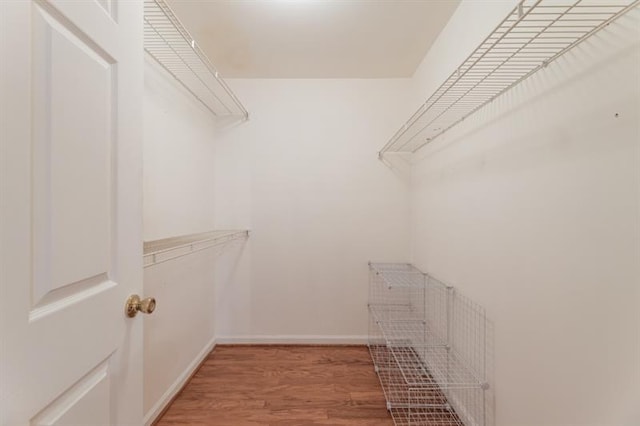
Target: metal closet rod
193, 242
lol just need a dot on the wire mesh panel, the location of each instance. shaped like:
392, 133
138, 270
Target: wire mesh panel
467, 325
399, 274
439, 413
535, 33
397, 287
376, 342
424, 416
401, 373
436, 306
404, 333
393, 383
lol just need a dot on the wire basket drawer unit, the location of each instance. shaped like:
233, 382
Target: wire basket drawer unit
427, 345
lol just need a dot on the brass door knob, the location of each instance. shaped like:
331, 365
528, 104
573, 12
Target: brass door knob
134, 305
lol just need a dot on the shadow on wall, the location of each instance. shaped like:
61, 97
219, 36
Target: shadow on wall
229, 122
231, 282
235, 251
399, 163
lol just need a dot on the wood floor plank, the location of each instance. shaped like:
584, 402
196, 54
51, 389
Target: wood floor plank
282, 386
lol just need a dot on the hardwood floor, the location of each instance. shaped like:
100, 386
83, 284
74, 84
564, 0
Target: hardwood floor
282, 386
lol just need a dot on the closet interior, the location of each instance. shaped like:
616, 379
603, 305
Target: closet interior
264, 261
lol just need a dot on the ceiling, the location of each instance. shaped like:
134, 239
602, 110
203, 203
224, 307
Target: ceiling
315, 38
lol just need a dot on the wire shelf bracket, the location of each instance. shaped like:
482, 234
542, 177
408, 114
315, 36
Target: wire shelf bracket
534, 33
168, 42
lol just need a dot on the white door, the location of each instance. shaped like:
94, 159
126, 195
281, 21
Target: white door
70, 220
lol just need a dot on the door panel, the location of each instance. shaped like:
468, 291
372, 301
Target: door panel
71, 240
72, 106
85, 403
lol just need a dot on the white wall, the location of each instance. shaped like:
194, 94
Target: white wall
532, 208
179, 137
179, 154
181, 330
302, 174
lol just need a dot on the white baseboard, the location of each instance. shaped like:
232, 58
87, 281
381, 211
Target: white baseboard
291, 340
166, 398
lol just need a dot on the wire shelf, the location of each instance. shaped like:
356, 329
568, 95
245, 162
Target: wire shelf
393, 267
534, 34
434, 366
418, 405
399, 274
398, 392
159, 251
425, 416
171, 45
408, 333
397, 312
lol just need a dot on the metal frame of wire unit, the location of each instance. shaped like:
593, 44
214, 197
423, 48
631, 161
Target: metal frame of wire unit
171, 45
534, 33
428, 346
